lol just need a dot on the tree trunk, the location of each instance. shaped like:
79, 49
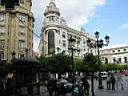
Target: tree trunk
92, 84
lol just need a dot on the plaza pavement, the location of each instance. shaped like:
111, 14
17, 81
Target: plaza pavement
100, 92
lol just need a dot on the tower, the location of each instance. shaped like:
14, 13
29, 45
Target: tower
49, 25
16, 28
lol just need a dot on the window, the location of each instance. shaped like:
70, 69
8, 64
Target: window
64, 51
21, 19
125, 60
21, 31
51, 18
118, 50
83, 41
1, 55
106, 60
119, 59
2, 44
64, 43
113, 51
2, 30
22, 55
91, 50
124, 49
21, 1
63, 35
2, 17
58, 49
21, 44
78, 42
114, 60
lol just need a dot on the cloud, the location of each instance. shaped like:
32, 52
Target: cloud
75, 12
124, 26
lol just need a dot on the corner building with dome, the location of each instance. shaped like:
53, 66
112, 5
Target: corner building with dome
56, 34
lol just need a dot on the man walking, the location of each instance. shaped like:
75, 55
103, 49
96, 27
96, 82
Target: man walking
109, 82
85, 85
113, 82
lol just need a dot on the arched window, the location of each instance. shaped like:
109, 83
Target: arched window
51, 43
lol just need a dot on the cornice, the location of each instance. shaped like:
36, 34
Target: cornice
69, 29
114, 53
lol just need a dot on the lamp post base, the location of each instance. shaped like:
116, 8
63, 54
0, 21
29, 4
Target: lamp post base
100, 87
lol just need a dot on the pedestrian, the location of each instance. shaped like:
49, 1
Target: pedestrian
2, 88
51, 86
85, 85
62, 89
113, 82
119, 81
9, 88
109, 82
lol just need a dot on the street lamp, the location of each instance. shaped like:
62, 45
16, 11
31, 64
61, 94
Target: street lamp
26, 50
71, 44
13, 55
98, 44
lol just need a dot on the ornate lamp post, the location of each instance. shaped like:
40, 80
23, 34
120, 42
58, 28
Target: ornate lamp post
98, 44
71, 44
13, 55
26, 50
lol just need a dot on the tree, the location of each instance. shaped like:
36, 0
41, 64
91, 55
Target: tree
62, 63
109, 67
78, 64
90, 65
57, 63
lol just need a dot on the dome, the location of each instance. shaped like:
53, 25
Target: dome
24, 61
51, 8
52, 4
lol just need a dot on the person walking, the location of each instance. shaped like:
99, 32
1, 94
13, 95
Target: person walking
113, 82
2, 88
109, 82
51, 86
9, 88
119, 81
85, 85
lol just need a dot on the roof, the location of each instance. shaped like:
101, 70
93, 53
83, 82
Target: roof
115, 47
25, 62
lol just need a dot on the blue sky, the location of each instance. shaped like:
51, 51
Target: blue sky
111, 19
106, 16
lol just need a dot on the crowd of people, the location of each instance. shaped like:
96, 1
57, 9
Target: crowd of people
114, 81
81, 85
78, 88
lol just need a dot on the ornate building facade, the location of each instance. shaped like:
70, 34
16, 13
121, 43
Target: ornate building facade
16, 28
56, 34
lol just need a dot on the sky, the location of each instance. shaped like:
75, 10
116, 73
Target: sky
106, 16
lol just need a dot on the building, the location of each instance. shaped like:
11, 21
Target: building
16, 28
115, 55
55, 35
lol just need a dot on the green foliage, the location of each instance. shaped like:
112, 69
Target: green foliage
89, 63
78, 64
57, 63
108, 67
